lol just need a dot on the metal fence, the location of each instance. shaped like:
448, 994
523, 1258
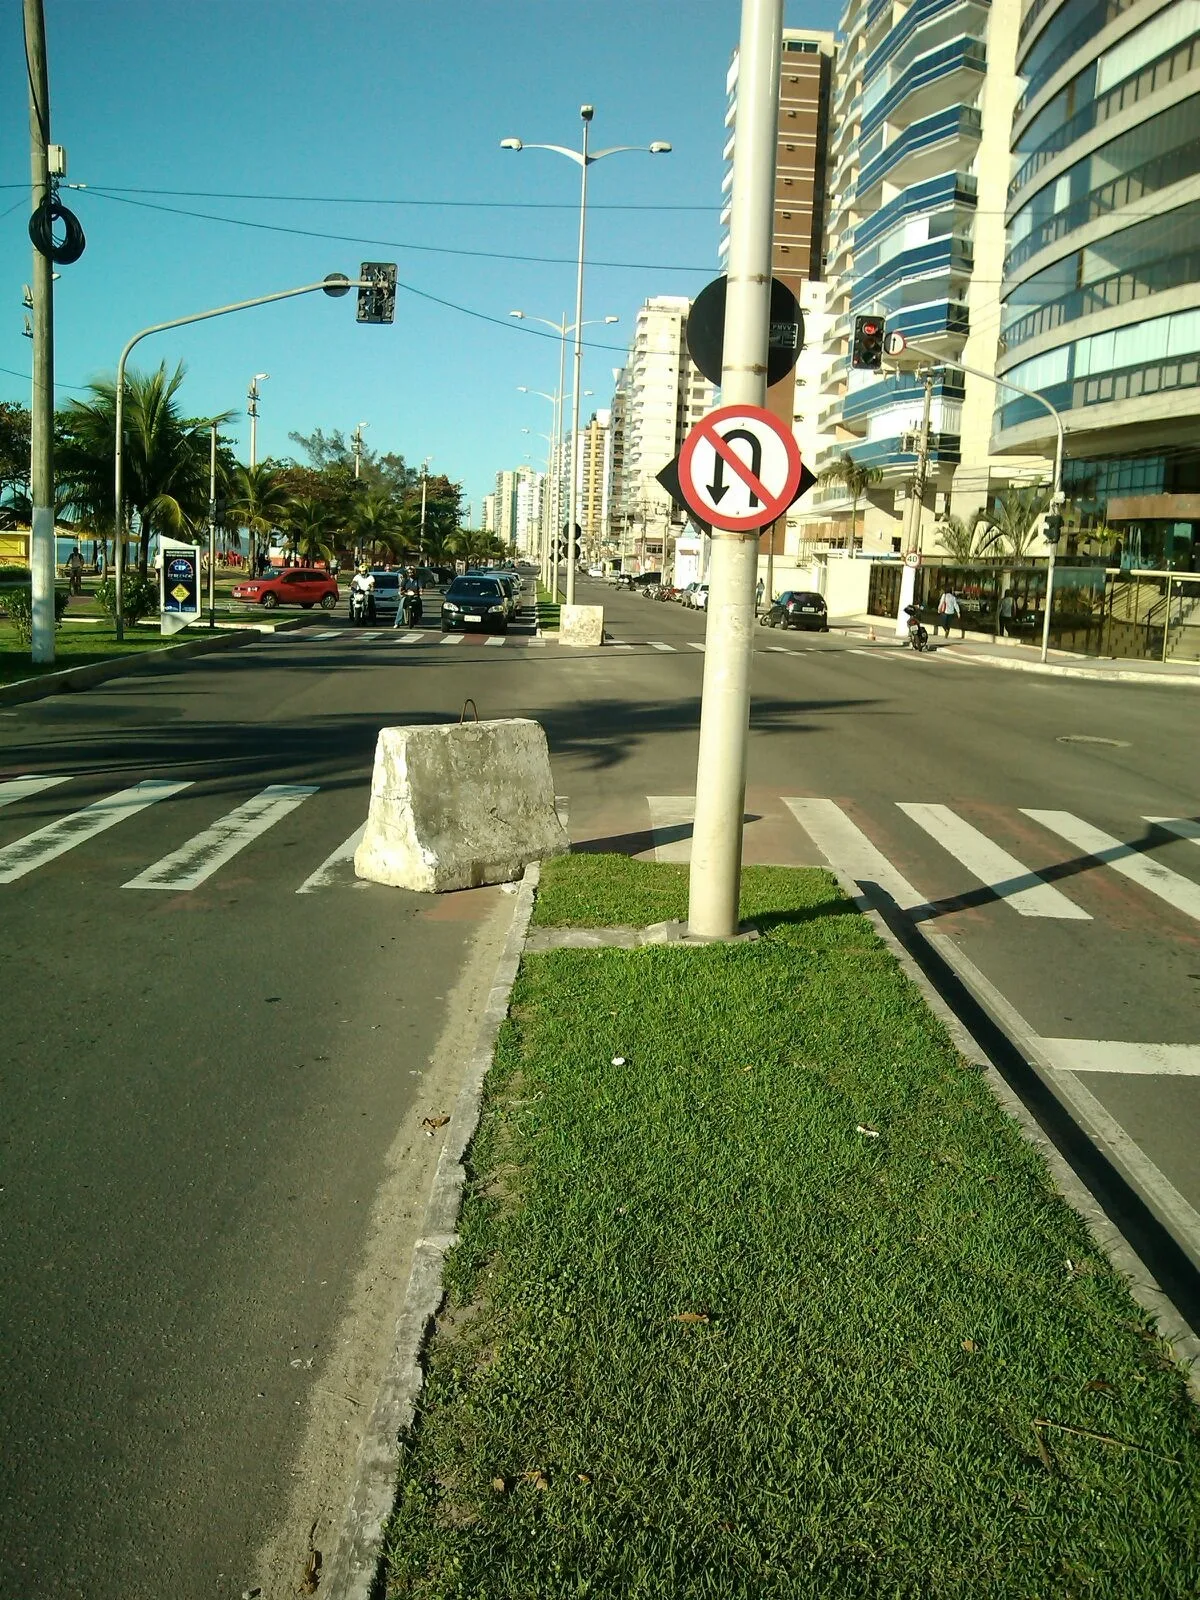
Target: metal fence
1136, 614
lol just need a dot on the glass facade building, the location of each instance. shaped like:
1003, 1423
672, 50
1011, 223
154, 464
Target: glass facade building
920, 133
1100, 301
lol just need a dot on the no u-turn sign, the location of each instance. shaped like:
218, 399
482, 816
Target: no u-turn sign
740, 468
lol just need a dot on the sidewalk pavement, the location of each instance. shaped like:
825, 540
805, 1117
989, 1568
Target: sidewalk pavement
1016, 656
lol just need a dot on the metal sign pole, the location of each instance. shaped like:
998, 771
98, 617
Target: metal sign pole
715, 878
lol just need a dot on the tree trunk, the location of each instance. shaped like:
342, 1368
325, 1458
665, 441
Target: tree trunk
144, 544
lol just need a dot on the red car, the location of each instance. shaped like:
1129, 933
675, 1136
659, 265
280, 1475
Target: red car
294, 586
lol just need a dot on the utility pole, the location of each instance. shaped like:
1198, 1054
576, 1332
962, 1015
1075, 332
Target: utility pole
41, 455
424, 483
356, 439
212, 524
252, 409
716, 869
920, 476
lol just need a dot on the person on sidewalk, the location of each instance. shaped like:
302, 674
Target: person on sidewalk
758, 596
75, 571
1006, 613
949, 611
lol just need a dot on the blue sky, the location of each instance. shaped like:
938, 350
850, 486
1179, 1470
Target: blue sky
374, 101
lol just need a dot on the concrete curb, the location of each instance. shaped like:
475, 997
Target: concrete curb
71, 679
1139, 1280
1095, 674
352, 1572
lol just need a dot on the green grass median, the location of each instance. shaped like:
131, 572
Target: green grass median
760, 1294
82, 646
548, 610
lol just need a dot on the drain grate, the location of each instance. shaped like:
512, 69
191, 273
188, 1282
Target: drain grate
1092, 738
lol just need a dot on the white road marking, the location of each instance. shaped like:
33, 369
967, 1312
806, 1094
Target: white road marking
1183, 827
1116, 1055
780, 649
1172, 887
327, 871
496, 642
536, 644
199, 858
657, 644
407, 638
1003, 874
846, 847
35, 849
331, 633
696, 644
365, 638
13, 789
454, 638
668, 813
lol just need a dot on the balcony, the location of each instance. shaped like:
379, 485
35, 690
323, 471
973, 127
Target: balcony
926, 149
969, 18
944, 321
945, 76
859, 406
938, 194
939, 257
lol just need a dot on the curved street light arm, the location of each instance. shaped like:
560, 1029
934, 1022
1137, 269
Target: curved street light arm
162, 327
559, 149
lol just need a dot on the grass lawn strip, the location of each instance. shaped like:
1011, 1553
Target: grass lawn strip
83, 649
549, 612
781, 1304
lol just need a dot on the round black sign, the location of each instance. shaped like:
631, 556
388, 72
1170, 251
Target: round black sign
706, 331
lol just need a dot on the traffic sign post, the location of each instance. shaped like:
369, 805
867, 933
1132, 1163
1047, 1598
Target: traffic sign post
706, 331
739, 468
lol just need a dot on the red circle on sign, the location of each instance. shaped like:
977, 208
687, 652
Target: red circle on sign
774, 503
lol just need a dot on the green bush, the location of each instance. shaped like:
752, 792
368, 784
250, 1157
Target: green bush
17, 600
139, 596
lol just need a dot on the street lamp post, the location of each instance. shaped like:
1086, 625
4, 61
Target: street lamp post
584, 158
334, 286
252, 409
424, 481
546, 521
356, 440
212, 524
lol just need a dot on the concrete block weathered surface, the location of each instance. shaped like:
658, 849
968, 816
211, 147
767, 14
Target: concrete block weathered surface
458, 806
581, 625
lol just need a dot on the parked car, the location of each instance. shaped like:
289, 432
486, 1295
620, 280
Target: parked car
686, 593
595, 572
510, 584
797, 608
645, 580
700, 597
294, 586
475, 602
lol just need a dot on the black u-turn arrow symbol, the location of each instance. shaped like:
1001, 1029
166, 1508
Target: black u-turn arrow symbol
718, 486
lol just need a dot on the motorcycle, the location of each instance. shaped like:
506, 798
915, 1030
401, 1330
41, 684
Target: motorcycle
410, 609
362, 608
918, 634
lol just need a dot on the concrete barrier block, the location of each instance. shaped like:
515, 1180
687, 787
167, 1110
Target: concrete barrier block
458, 806
581, 625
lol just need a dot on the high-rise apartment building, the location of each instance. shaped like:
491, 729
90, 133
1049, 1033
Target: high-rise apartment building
919, 159
517, 507
805, 86
595, 468
1100, 305
660, 395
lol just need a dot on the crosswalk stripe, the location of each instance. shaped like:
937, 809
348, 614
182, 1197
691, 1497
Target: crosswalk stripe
324, 874
13, 789
696, 644
1182, 827
35, 849
1172, 887
1117, 1055
412, 637
657, 644
536, 644
620, 647
495, 643
365, 638
329, 633
780, 649
668, 813
199, 858
1003, 874
454, 638
848, 850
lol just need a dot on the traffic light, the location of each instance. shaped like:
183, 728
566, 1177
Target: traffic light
1052, 527
377, 303
867, 349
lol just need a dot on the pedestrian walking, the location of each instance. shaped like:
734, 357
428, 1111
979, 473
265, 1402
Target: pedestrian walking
759, 590
1006, 612
75, 570
950, 611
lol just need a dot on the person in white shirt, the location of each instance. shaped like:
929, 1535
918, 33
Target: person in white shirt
950, 611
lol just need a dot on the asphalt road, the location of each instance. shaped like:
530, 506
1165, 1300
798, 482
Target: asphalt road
204, 1084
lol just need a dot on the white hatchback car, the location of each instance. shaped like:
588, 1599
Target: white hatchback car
700, 597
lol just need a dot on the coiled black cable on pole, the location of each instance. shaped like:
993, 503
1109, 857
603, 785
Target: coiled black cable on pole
41, 232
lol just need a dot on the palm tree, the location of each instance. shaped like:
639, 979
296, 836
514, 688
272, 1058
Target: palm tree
309, 528
165, 458
960, 539
856, 479
374, 520
261, 503
1014, 518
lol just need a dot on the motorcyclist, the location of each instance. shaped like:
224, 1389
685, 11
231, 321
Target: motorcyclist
409, 609
362, 594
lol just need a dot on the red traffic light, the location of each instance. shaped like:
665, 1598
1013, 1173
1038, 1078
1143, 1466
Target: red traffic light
870, 327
